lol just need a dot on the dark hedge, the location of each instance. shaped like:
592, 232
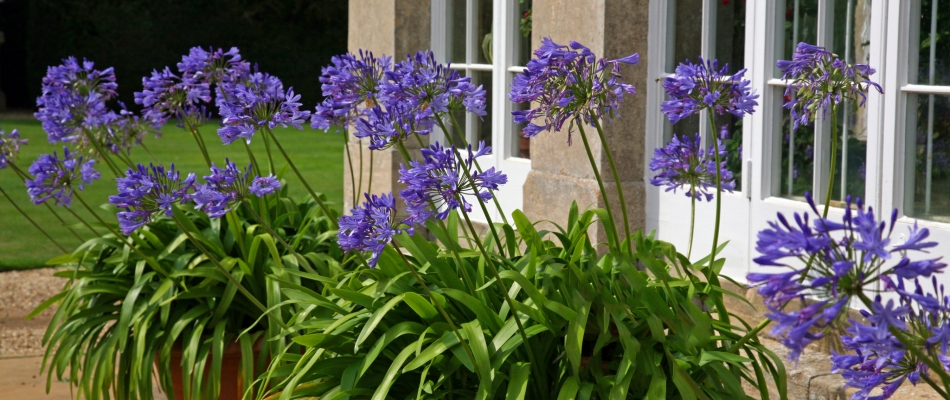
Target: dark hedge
291, 39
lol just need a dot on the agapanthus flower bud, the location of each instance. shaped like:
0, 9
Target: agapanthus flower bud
819, 80
255, 103
146, 191
349, 83
9, 146
371, 227
55, 178
683, 164
438, 184
697, 87
73, 97
568, 83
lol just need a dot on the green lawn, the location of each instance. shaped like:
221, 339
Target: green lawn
319, 156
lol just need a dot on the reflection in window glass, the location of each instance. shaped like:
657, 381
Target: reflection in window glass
483, 40
457, 30
851, 41
801, 25
730, 131
927, 172
523, 39
798, 156
730, 34
482, 127
930, 62
684, 33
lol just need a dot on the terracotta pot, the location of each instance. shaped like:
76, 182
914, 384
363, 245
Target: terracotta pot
232, 384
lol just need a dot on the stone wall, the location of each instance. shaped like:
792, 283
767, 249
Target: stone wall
562, 174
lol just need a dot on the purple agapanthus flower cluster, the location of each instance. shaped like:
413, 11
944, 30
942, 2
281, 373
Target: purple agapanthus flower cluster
73, 98
56, 178
9, 146
351, 81
697, 87
385, 127
258, 102
184, 95
229, 186
371, 227
146, 191
438, 184
818, 79
568, 83
430, 88
880, 359
683, 164
846, 257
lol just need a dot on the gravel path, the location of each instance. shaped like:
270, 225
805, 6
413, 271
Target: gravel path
20, 293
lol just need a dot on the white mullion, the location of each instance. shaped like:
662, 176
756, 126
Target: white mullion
876, 111
773, 22
503, 45
707, 49
822, 148
473, 67
471, 48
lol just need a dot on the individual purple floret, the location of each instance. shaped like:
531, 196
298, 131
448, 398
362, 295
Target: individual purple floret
371, 226
73, 98
9, 146
439, 183
683, 164
818, 79
264, 185
146, 191
165, 96
349, 82
846, 257
55, 178
258, 102
697, 87
568, 83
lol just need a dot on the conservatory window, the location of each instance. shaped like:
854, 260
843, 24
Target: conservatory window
842, 26
716, 33
927, 129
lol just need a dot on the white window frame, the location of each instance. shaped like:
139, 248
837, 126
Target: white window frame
504, 53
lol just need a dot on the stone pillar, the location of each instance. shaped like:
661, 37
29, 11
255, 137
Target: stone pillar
560, 173
394, 28
3, 97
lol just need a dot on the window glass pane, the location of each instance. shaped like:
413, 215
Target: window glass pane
798, 155
519, 145
523, 35
730, 34
927, 177
851, 41
730, 130
481, 127
801, 25
456, 31
483, 38
930, 32
684, 32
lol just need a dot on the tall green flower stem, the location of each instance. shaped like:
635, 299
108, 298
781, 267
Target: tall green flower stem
231, 278
435, 301
692, 223
195, 133
600, 181
61, 248
23, 176
300, 176
303, 261
613, 169
349, 161
715, 140
102, 154
448, 138
270, 159
458, 257
490, 262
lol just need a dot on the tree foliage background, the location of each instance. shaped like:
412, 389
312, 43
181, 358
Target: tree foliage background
291, 39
